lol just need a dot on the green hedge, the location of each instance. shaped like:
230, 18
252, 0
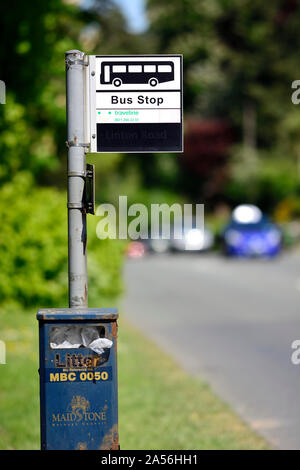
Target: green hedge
33, 249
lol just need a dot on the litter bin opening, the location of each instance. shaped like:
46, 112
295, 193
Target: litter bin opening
76, 336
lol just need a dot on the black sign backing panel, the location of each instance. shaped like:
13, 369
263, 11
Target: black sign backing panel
136, 103
165, 137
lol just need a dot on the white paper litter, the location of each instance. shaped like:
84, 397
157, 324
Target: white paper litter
66, 337
98, 345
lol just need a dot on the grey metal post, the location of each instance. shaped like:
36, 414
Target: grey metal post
77, 233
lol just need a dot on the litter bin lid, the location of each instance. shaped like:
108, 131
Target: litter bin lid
56, 314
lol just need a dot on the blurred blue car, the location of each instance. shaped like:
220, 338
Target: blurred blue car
250, 234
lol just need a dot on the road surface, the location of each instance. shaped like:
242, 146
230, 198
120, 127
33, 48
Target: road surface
231, 322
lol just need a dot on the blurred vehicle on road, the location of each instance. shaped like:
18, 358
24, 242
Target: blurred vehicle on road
250, 233
181, 238
193, 239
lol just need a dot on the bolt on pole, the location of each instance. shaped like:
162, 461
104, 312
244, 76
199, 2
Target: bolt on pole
77, 230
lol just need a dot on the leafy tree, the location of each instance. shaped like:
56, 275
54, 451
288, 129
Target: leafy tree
33, 240
240, 58
34, 37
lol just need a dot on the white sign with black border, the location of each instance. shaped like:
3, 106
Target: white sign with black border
134, 104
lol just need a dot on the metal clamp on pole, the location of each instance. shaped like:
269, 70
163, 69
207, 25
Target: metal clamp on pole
77, 230
76, 205
76, 144
88, 202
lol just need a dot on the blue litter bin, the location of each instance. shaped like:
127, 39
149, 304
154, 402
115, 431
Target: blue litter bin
78, 378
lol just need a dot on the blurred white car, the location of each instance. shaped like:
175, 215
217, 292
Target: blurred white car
177, 238
193, 239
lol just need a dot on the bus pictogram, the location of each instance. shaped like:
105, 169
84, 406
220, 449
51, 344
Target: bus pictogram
151, 73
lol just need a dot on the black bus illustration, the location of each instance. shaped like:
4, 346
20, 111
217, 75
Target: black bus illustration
117, 73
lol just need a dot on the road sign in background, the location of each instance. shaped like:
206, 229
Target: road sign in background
135, 103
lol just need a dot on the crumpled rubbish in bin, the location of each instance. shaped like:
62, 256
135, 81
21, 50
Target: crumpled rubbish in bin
98, 345
65, 337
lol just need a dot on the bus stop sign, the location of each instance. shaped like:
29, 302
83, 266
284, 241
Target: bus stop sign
134, 103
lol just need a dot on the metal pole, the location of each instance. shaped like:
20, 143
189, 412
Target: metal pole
77, 234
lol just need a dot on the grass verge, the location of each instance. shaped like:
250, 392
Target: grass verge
160, 406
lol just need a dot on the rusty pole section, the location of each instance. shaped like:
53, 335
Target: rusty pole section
77, 233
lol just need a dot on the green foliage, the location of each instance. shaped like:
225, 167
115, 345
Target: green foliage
33, 239
105, 259
33, 249
34, 38
264, 180
23, 146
